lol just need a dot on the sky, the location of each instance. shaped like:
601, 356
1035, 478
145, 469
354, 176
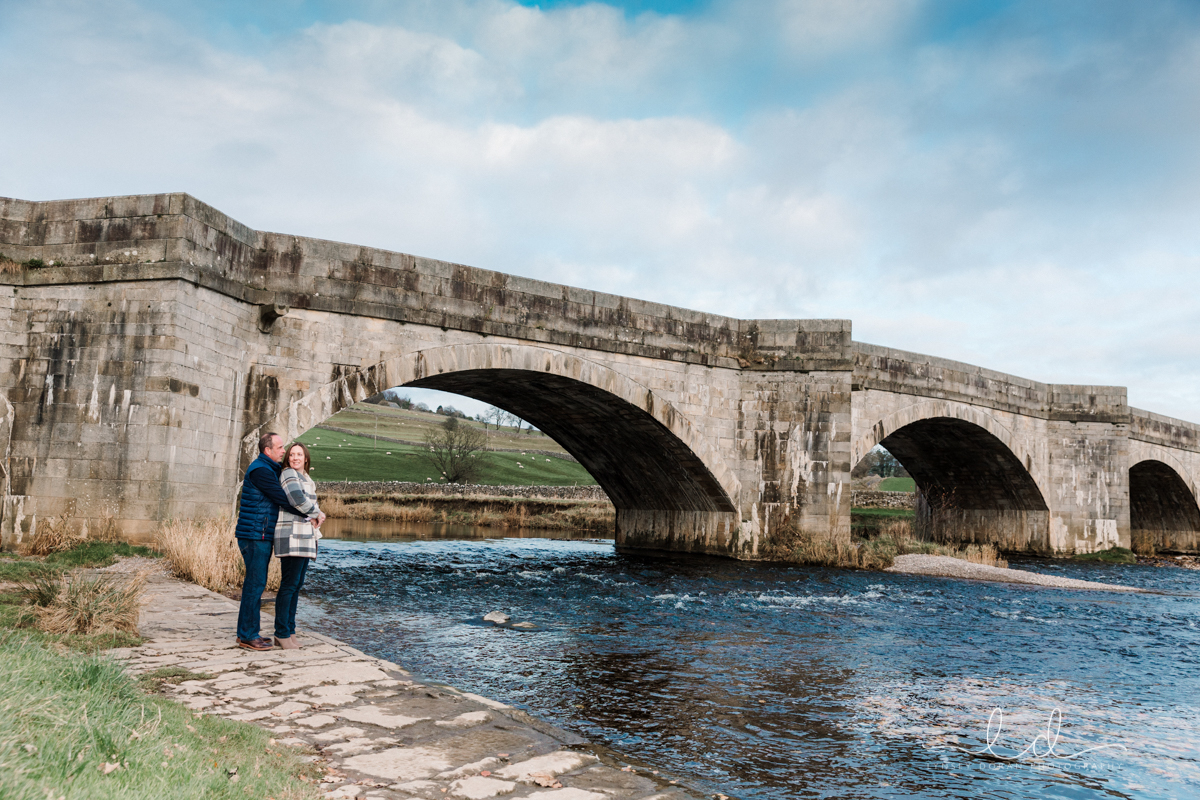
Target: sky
1011, 184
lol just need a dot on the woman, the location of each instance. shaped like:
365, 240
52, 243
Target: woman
295, 540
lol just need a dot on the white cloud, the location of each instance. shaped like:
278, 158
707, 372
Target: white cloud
819, 28
1001, 198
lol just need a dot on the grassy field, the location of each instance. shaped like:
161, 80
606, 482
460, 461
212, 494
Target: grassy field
395, 423
898, 485
73, 725
347, 457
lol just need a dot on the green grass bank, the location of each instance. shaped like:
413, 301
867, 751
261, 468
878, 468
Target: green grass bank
350, 457
75, 726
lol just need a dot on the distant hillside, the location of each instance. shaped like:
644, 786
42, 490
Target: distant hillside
358, 456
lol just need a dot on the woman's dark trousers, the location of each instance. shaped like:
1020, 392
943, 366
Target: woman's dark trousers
289, 592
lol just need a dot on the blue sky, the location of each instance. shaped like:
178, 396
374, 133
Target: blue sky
1012, 184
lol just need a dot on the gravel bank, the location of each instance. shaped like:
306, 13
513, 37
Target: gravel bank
947, 567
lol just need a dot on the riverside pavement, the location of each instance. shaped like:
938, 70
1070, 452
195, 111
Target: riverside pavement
378, 731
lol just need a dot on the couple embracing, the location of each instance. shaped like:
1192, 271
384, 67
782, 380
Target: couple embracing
278, 512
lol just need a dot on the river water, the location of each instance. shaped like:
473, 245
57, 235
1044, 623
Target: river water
762, 681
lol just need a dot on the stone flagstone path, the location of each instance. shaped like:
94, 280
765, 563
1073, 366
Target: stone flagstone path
378, 731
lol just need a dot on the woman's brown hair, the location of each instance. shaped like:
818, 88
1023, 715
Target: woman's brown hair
287, 456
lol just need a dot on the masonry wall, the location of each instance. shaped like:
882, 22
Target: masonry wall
158, 338
1072, 441
1174, 525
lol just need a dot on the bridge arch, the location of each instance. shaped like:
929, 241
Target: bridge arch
975, 481
1163, 509
646, 454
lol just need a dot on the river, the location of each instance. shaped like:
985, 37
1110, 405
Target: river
765, 681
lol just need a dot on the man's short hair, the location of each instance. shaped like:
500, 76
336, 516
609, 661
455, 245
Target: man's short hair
264, 441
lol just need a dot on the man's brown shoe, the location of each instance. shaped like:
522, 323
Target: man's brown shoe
255, 644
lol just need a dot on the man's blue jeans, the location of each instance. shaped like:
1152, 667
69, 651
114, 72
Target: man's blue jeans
289, 592
257, 556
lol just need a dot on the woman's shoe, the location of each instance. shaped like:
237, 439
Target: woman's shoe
289, 643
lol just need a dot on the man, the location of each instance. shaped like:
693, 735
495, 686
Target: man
262, 497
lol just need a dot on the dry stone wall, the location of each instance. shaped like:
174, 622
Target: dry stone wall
863, 498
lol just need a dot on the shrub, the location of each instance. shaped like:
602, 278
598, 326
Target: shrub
106, 531
52, 536
206, 553
91, 605
41, 587
1143, 542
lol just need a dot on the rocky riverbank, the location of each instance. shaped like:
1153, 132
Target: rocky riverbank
375, 730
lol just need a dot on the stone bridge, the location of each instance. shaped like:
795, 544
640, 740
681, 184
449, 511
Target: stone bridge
147, 341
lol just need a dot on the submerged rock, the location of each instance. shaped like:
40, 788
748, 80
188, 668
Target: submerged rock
524, 625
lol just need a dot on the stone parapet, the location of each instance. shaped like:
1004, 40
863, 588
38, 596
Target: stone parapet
177, 237
902, 372
1147, 426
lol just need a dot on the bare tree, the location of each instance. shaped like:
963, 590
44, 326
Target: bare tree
456, 450
511, 420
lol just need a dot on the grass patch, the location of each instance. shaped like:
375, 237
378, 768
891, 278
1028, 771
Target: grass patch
867, 522
76, 726
897, 485
94, 554
88, 605
53, 536
68, 714
1113, 555
70, 610
154, 680
91, 554
347, 457
885, 513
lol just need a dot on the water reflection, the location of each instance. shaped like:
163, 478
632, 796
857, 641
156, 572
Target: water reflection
762, 681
